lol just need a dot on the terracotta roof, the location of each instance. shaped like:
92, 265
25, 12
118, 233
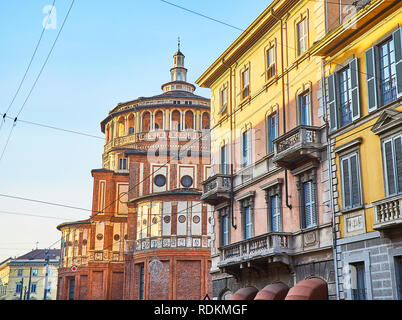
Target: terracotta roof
39, 254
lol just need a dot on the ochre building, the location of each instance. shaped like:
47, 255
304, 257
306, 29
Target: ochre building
149, 234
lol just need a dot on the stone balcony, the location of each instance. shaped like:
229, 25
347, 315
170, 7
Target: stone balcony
275, 246
216, 189
296, 146
388, 213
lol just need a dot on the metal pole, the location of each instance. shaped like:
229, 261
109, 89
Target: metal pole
47, 273
29, 284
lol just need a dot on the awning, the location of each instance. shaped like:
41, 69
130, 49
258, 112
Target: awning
247, 293
274, 291
310, 289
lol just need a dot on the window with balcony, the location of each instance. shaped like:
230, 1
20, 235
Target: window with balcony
386, 56
275, 214
309, 205
350, 177
343, 95
224, 161
271, 66
392, 162
245, 83
247, 218
272, 131
384, 72
224, 227
304, 108
302, 37
246, 148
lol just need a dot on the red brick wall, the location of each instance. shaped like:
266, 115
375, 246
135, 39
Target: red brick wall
97, 285
83, 287
117, 286
188, 280
159, 285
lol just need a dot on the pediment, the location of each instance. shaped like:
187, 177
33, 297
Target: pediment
388, 120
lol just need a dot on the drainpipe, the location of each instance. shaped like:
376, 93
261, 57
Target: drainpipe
333, 233
283, 105
231, 145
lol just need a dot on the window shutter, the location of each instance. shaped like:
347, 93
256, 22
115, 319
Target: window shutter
355, 186
397, 37
332, 103
398, 161
308, 205
275, 214
354, 79
389, 167
346, 183
249, 147
371, 76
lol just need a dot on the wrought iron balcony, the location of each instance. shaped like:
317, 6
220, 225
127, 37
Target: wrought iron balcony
296, 146
388, 213
216, 189
256, 248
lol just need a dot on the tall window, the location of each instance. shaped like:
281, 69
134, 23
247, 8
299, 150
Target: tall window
309, 204
271, 62
345, 96
245, 83
71, 289
224, 164
33, 287
223, 100
275, 214
224, 227
392, 157
248, 222
305, 108
272, 131
358, 280
387, 72
246, 148
350, 181
123, 164
18, 287
20, 272
302, 40
141, 284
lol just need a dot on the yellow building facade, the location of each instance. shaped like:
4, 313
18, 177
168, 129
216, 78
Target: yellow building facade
362, 58
270, 182
4, 275
27, 277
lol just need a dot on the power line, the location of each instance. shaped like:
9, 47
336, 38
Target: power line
38, 76
202, 15
33, 215
29, 65
54, 128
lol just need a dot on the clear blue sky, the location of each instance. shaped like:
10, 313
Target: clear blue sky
108, 52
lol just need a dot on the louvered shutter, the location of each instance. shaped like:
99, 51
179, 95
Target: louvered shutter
346, 183
389, 167
398, 161
354, 177
313, 204
371, 76
397, 37
275, 213
354, 80
249, 147
332, 103
309, 204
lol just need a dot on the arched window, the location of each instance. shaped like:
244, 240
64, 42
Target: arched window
176, 120
205, 120
146, 122
131, 124
121, 126
189, 120
159, 120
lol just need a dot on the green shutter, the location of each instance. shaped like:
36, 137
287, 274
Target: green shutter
397, 37
389, 167
355, 183
346, 184
354, 79
398, 161
371, 76
332, 103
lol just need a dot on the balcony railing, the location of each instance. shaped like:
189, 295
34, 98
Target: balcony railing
388, 213
216, 189
297, 145
262, 246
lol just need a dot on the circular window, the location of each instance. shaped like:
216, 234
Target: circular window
186, 181
182, 218
116, 237
160, 180
196, 219
99, 236
126, 237
166, 219
154, 220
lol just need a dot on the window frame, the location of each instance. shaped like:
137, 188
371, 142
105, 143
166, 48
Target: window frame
270, 145
245, 89
306, 93
391, 139
348, 156
268, 67
391, 67
302, 39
